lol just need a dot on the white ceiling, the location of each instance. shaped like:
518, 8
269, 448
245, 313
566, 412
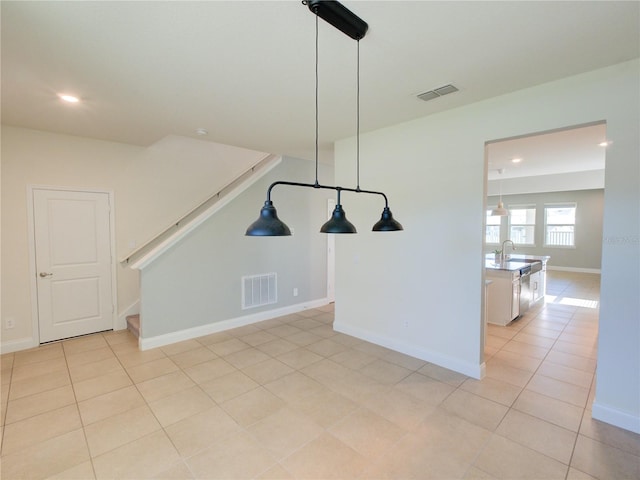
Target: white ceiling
549, 153
244, 70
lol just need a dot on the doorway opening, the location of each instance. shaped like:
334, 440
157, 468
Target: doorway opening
540, 173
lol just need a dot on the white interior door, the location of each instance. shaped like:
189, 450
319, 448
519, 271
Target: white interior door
72, 238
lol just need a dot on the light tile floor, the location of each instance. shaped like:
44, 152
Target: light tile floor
291, 398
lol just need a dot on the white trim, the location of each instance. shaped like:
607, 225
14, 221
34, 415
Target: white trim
466, 368
33, 284
35, 326
114, 272
615, 417
574, 269
17, 345
195, 332
133, 309
163, 246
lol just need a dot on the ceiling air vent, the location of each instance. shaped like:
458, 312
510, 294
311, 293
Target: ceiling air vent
437, 92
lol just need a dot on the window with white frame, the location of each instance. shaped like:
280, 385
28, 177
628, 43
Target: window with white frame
492, 231
522, 224
559, 225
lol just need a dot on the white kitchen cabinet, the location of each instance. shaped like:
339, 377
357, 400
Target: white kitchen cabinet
536, 291
503, 298
539, 284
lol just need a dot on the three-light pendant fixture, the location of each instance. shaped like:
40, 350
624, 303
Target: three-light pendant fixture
268, 223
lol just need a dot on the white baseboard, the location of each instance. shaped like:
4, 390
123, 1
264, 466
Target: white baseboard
189, 333
133, 309
615, 417
466, 368
19, 344
29, 342
574, 269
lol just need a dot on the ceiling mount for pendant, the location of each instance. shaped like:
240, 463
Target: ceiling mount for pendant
268, 223
339, 16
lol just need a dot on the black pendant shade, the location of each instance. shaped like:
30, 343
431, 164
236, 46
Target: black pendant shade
268, 224
338, 222
387, 223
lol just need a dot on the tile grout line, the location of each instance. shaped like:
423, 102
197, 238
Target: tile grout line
6, 409
245, 429
575, 443
82, 425
218, 405
572, 321
577, 433
162, 427
509, 409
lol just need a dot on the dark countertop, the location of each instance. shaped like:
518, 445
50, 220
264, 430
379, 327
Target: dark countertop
512, 262
511, 266
542, 258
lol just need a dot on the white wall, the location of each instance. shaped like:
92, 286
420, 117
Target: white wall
153, 186
427, 281
170, 178
32, 157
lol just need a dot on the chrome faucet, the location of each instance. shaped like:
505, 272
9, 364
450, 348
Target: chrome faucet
504, 244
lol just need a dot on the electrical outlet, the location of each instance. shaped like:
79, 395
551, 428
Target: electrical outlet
295, 292
10, 323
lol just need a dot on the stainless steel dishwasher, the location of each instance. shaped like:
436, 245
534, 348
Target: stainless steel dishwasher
525, 289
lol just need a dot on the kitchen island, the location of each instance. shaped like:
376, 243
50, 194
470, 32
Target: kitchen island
518, 282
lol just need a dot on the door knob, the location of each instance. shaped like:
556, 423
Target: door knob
45, 274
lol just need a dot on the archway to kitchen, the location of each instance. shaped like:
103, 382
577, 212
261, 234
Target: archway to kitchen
554, 191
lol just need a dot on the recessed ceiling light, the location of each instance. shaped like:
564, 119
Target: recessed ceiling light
604, 144
516, 160
68, 98
201, 131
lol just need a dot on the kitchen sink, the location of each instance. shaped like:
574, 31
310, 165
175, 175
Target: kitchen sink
536, 265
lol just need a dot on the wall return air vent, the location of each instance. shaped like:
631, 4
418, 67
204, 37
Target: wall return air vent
437, 92
258, 290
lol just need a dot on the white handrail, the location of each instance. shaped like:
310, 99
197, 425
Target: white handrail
194, 212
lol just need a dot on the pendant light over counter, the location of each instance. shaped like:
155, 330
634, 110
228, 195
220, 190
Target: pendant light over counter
500, 211
268, 224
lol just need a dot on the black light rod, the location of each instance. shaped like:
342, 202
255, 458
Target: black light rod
339, 16
326, 187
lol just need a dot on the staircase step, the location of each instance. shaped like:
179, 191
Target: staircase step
133, 324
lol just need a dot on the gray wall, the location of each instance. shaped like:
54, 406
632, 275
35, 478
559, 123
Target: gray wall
588, 231
198, 281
